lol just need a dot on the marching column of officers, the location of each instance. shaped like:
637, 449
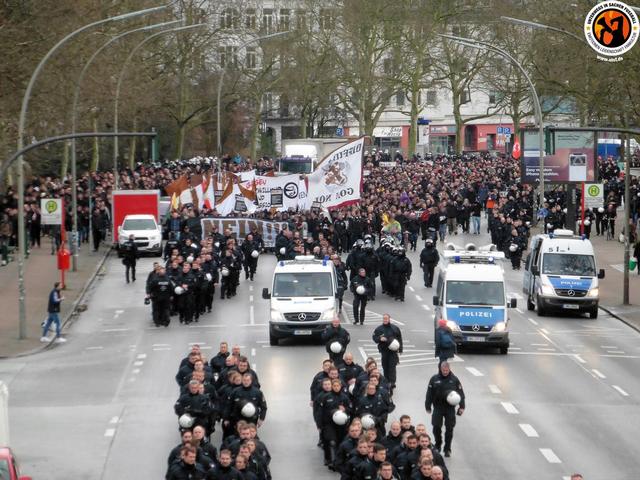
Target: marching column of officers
352, 404
186, 284
225, 390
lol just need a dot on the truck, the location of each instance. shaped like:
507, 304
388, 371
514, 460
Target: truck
144, 207
303, 155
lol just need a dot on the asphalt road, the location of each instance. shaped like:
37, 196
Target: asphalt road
564, 399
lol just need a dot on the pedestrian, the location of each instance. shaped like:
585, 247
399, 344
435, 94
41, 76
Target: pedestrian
341, 279
335, 334
53, 309
400, 273
445, 343
388, 337
360, 287
160, 291
129, 257
429, 258
440, 396
330, 425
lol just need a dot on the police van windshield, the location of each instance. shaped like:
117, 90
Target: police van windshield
302, 285
568, 264
475, 293
139, 224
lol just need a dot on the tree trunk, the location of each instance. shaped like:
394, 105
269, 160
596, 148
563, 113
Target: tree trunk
255, 132
303, 125
95, 154
413, 128
132, 146
459, 128
65, 160
180, 134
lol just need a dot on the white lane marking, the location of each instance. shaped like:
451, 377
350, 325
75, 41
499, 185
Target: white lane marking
532, 320
475, 372
528, 430
514, 348
161, 345
363, 353
114, 419
251, 298
547, 349
252, 318
598, 374
549, 455
519, 310
93, 348
266, 346
251, 288
545, 331
617, 352
141, 356
562, 354
539, 344
426, 307
191, 344
495, 389
545, 337
135, 371
611, 347
620, 391
109, 432
206, 348
419, 298
262, 341
253, 352
206, 326
252, 325
119, 311
580, 359
412, 289
510, 408
116, 330
161, 349
138, 363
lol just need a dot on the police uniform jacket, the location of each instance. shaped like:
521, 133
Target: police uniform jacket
391, 332
340, 335
438, 389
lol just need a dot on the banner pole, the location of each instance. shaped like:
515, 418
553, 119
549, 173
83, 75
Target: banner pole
582, 209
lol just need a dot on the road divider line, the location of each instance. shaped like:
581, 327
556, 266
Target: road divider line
135, 371
475, 372
419, 298
161, 345
598, 374
164, 349
620, 391
363, 353
514, 348
610, 347
93, 348
412, 289
510, 408
109, 330
251, 298
114, 420
426, 307
252, 325
109, 432
580, 359
253, 352
495, 389
545, 331
532, 321
519, 310
616, 352
141, 356
252, 318
549, 455
528, 430
251, 288
139, 363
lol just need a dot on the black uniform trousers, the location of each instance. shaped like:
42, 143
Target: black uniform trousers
160, 308
389, 362
130, 267
359, 306
448, 415
428, 270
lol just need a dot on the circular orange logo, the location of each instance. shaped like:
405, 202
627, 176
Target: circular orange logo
611, 28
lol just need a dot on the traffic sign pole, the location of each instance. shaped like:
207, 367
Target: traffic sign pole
582, 211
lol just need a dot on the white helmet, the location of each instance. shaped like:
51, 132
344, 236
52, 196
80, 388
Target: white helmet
255, 254
453, 398
209, 277
190, 259
217, 244
335, 347
186, 420
549, 225
564, 210
394, 345
587, 221
513, 247
249, 410
283, 250
601, 209
360, 290
179, 290
340, 417
368, 421
351, 388
225, 272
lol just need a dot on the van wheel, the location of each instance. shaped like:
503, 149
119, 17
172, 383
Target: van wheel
541, 310
593, 313
504, 350
273, 341
530, 305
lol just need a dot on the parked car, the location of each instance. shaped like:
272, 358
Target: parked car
9, 469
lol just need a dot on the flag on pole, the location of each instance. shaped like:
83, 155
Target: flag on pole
515, 153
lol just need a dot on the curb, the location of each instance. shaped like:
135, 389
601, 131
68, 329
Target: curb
67, 320
622, 319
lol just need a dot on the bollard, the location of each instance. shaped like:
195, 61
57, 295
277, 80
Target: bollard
4, 414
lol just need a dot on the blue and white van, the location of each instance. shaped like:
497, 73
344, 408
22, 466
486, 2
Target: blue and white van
471, 297
560, 274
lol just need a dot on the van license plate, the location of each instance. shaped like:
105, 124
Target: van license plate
475, 339
571, 306
302, 332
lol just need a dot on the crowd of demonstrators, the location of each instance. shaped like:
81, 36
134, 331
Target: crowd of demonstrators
353, 404
224, 391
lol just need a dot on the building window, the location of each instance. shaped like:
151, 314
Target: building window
267, 20
250, 19
284, 106
493, 97
230, 19
400, 99
465, 96
302, 22
327, 19
251, 58
432, 97
229, 56
285, 20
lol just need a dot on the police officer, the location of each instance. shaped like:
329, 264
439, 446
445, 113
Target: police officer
199, 289
440, 386
516, 247
129, 257
197, 404
360, 299
160, 291
334, 333
370, 263
400, 273
239, 398
327, 403
210, 270
250, 262
375, 402
429, 258
228, 264
342, 280
187, 468
186, 300
384, 336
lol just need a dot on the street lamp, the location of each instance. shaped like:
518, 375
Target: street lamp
534, 95
541, 26
74, 112
224, 70
119, 85
21, 127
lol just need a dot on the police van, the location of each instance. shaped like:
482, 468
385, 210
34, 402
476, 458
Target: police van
560, 274
471, 296
303, 298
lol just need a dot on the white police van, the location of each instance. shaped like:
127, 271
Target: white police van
471, 296
303, 298
560, 274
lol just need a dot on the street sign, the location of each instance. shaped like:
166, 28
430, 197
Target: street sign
593, 195
339, 132
51, 211
499, 130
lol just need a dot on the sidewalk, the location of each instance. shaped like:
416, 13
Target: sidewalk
40, 274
